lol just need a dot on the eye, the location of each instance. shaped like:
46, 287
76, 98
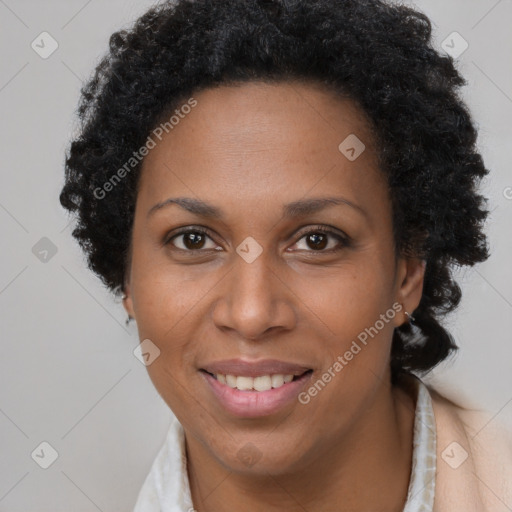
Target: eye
190, 239
317, 240
193, 239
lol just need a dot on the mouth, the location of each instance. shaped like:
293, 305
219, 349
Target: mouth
253, 396
260, 383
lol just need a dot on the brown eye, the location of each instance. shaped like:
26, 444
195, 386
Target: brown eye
190, 240
193, 240
318, 240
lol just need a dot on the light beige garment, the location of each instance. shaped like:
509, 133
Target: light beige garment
482, 482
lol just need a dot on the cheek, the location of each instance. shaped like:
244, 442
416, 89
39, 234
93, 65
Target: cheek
349, 299
355, 332
167, 310
354, 318
167, 304
165, 294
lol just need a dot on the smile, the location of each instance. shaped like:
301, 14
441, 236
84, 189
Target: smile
245, 396
261, 383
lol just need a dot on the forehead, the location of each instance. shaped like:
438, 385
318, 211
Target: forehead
255, 139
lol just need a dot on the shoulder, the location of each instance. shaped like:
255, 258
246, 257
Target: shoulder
474, 456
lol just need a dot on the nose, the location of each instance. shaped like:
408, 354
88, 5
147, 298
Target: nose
254, 300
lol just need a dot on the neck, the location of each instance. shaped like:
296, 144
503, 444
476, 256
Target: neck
368, 468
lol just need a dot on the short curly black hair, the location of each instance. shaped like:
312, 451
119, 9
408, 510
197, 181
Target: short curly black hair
376, 53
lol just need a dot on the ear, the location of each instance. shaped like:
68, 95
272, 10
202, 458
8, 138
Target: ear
409, 282
128, 301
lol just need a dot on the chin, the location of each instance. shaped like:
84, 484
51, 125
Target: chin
260, 458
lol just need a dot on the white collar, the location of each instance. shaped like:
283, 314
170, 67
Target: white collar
422, 484
167, 489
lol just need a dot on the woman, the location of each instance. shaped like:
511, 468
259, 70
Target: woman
280, 191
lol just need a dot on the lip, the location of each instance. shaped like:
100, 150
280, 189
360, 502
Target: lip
254, 368
253, 404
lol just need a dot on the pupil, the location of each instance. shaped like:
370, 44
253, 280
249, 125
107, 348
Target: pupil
192, 239
315, 237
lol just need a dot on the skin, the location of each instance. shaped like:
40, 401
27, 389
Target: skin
248, 150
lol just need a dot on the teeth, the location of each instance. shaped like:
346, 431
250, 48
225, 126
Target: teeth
244, 383
277, 381
261, 383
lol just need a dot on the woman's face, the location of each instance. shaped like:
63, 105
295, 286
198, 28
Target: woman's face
256, 287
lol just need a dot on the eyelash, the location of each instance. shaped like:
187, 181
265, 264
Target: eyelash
343, 241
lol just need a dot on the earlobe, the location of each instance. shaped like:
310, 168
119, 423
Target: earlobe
128, 302
410, 282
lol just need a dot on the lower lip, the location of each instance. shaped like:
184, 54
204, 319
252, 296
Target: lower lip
252, 404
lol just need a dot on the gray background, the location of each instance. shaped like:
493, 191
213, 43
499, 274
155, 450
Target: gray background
68, 373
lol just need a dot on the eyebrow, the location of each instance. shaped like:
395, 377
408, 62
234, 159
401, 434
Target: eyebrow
298, 208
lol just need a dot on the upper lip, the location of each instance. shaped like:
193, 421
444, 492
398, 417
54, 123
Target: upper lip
254, 368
